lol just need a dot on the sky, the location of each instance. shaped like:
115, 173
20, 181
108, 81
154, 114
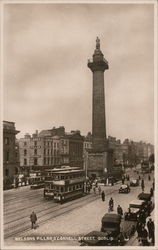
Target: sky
46, 79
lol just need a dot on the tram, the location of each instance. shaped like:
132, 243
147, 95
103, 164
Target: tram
36, 180
64, 184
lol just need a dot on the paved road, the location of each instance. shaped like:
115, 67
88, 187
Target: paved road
77, 217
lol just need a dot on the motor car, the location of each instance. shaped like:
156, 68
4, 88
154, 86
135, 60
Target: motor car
110, 224
94, 238
134, 183
134, 209
144, 196
124, 189
149, 200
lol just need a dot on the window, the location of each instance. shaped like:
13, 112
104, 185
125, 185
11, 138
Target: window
25, 152
44, 160
44, 151
35, 143
6, 172
6, 140
25, 143
35, 151
7, 156
35, 161
25, 161
73, 188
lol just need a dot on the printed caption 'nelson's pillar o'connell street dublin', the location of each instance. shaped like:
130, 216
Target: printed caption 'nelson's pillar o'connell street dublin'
99, 158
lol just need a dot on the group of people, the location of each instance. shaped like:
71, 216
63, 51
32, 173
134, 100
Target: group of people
145, 234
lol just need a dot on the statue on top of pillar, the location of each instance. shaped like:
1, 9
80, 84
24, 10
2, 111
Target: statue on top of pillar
98, 43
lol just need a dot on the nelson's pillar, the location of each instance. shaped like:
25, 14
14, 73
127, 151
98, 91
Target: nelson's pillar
99, 157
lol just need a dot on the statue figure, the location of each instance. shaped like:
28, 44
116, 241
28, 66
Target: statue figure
97, 43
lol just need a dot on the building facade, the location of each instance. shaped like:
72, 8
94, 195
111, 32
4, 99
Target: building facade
10, 151
51, 148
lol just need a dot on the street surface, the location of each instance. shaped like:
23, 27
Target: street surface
74, 218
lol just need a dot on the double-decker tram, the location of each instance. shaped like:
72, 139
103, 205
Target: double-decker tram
36, 179
65, 184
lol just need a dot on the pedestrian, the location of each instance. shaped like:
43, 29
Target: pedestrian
96, 184
151, 230
149, 207
111, 204
153, 185
119, 210
142, 216
151, 191
99, 190
139, 177
94, 190
33, 219
103, 195
142, 185
149, 178
144, 235
139, 229
123, 180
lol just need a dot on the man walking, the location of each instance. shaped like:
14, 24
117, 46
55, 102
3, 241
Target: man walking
144, 235
99, 190
33, 219
151, 230
103, 196
119, 210
142, 185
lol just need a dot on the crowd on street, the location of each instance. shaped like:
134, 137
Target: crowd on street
145, 227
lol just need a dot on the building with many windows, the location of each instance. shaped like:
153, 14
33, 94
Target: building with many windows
10, 151
51, 148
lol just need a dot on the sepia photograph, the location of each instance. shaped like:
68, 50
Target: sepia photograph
79, 124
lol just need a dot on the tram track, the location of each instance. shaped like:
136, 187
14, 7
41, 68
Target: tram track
29, 194
48, 216
65, 208
7, 213
14, 206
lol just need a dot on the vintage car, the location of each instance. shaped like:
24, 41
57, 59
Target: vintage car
134, 183
94, 238
149, 201
111, 226
144, 196
134, 209
124, 189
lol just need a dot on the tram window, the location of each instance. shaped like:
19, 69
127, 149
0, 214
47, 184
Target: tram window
66, 176
62, 177
73, 187
66, 189
62, 189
